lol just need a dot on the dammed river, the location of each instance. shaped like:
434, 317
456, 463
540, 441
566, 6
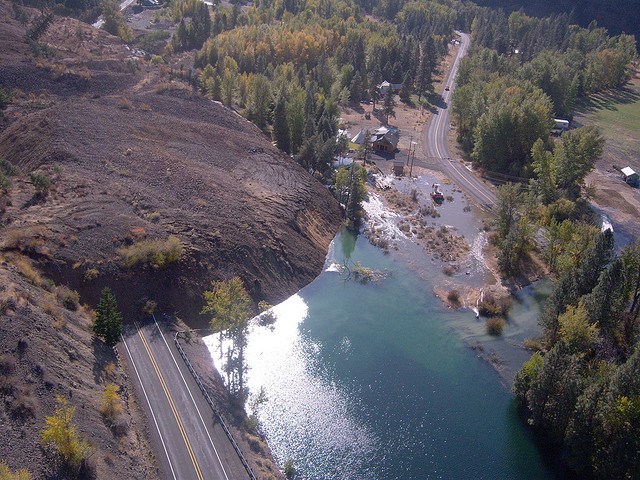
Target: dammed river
372, 381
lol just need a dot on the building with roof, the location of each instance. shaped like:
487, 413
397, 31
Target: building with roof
630, 176
386, 139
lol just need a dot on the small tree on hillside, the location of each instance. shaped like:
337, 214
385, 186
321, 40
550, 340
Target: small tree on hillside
114, 21
108, 323
61, 435
40, 182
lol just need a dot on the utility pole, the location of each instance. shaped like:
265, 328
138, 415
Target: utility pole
409, 152
412, 158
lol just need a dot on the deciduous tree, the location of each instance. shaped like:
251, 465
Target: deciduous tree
230, 308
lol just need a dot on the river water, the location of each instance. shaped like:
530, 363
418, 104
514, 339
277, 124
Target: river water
374, 381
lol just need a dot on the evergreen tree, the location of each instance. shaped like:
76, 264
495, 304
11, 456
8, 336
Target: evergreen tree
280, 127
595, 259
555, 391
607, 301
389, 105
108, 322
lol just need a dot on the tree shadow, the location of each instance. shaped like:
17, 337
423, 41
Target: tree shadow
609, 100
103, 355
356, 107
37, 199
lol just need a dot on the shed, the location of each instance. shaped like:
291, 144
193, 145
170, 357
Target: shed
630, 176
398, 167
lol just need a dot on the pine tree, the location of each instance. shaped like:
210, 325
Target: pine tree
280, 126
108, 322
389, 105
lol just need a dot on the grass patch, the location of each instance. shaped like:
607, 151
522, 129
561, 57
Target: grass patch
617, 114
156, 253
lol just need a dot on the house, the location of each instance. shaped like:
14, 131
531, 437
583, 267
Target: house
386, 139
398, 167
630, 176
384, 86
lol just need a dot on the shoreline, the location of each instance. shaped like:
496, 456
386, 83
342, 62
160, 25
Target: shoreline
253, 445
464, 274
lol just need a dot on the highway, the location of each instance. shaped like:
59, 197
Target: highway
435, 139
190, 444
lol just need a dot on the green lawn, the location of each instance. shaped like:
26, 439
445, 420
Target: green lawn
617, 113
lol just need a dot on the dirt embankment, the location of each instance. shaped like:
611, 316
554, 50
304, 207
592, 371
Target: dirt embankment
47, 350
134, 157
142, 160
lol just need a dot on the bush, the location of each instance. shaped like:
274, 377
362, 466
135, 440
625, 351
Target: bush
8, 168
495, 326
157, 254
251, 424
111, 407
454, 297
40, 182
5, 183
150, 307
60, 434
69, 298
494, 307
289, 469
23, 404
91, 274
7, 474
448, 270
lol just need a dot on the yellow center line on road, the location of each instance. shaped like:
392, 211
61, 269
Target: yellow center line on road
171, 403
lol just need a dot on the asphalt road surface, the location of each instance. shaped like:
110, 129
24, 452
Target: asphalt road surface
190, 444
436, 142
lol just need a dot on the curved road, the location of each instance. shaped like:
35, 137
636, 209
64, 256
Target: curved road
436, 141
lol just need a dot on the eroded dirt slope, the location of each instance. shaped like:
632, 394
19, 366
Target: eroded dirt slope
47, 350
136, 155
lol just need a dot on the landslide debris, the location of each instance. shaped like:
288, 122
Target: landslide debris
135, 157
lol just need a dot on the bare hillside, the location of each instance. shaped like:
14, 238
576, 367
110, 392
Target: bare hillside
47, 350
136, 156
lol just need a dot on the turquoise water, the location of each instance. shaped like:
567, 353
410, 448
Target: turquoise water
373, 382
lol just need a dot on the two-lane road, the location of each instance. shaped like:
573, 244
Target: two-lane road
191, 445
436, 140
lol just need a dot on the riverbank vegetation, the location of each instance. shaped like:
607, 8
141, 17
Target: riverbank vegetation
231, 308
521, 73
582, 391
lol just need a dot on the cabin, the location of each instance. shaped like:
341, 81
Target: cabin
398, 167
386, 139
630, 176
384, 87
561, 126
